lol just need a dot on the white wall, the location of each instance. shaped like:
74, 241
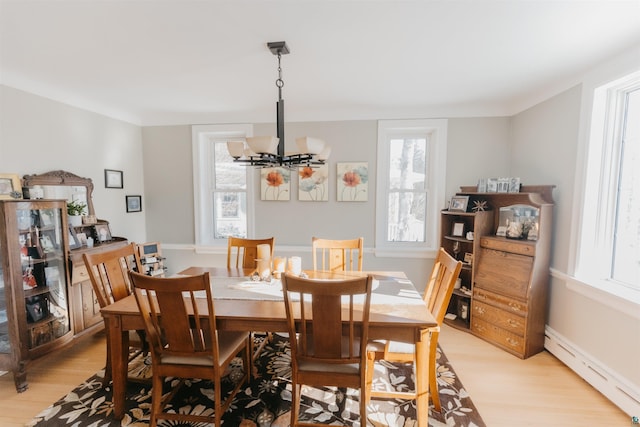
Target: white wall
38, 135
588, 331
476, 147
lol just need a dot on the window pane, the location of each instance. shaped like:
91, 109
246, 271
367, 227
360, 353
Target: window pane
230, 214
407, 213
626, 263
407, 164
227, 174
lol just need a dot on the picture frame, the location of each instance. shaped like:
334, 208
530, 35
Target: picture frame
514, 185
459, 203
113, 178
313, 183
134, 203
103, 232
74, 243
82, 238
275, 184
37, 309
10, 186
492, 185
468, 258
457, 229
482, 185
352, 182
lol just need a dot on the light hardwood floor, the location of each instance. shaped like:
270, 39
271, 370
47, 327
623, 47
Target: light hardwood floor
507, 391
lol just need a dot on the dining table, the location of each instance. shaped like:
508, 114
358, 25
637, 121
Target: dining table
397, 312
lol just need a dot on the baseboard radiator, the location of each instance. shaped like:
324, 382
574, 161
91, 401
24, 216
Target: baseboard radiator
617, 389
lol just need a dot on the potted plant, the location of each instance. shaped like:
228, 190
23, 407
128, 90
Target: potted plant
75, 210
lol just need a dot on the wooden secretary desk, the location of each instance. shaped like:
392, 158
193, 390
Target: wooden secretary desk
503, 297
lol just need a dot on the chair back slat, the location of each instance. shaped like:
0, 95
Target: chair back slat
337, 255
242, 253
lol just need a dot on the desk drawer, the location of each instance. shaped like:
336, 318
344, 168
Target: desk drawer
505, 303
79, 274
503, 319
492, 333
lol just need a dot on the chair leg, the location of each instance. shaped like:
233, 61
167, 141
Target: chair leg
433, 377
107, 368
156, 400
295, 403
371, 359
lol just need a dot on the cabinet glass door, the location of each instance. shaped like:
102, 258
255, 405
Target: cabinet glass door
42, 255
5, 343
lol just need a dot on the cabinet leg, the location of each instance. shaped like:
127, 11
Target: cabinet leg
20, 378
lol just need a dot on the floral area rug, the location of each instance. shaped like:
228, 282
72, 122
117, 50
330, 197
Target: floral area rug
266, 401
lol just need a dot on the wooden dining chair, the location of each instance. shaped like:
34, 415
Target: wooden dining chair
108, 272
337, 255
437, 295
187, 343
242, 253
328, 330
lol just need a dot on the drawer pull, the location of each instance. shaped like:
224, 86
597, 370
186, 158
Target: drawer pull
513, 342
513, 323
480, 310
480, 328
514, 306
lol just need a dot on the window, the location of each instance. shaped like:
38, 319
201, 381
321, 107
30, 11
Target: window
410, 191
222, 197
609, 246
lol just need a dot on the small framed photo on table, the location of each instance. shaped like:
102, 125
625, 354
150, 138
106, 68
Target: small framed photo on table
10, 187
459, 203
103, 232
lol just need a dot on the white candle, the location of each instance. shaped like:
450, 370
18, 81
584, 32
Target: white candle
264, 252
278, 264
294, 265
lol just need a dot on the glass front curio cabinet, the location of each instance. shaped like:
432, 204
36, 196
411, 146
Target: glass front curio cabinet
34, 305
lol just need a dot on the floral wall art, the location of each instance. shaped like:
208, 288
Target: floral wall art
353, 182
313, 183
275, 184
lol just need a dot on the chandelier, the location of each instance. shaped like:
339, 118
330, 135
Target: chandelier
268, 151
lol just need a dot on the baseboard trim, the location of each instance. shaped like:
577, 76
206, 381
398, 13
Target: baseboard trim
623, 394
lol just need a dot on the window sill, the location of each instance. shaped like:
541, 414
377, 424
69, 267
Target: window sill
619, 297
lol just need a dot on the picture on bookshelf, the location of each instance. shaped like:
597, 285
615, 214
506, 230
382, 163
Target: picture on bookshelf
459, 203
457, 230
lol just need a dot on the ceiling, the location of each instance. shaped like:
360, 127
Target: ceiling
184, 62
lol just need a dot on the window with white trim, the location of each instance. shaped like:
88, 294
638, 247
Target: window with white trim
410, 188
609, 245
222, 196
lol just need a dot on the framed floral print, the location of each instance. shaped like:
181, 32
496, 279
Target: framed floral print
352, 182
313, 183
275, 184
